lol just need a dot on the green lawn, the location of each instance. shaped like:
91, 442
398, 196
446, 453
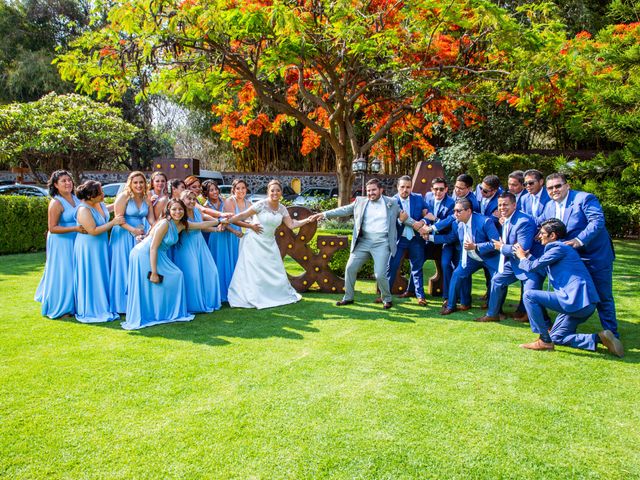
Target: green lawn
313, 391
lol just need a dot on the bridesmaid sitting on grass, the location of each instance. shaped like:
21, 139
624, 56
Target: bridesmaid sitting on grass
156, 285
91, 256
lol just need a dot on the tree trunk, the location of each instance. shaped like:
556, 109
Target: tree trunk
345, 178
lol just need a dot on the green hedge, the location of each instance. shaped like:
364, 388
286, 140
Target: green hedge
502, 165
23, 224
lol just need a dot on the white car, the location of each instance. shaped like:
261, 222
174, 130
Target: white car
112, 189
313, 195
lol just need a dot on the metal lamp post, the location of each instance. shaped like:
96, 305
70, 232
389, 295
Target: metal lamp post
359, 165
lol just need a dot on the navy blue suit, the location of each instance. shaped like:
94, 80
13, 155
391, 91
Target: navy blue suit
483, 231
574, 296
415, 246
521, 229
450, 251
584, 219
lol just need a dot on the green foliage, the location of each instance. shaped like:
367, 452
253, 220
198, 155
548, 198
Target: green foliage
31, 31
503, 164
68, 131
24, 223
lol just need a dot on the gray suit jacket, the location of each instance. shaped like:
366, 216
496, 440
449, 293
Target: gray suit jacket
357, 208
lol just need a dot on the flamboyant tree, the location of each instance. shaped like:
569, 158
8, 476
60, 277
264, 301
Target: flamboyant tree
350, 71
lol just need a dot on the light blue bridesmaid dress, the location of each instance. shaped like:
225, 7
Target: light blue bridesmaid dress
192, 256
91, 272
215, 244
55, 290
151, 303
226, 254
120, 245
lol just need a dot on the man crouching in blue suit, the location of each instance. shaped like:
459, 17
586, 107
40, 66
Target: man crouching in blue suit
574, 296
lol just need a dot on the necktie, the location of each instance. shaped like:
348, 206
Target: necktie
483, 205
436, 208
467, 238
505, 233
559, 211
408, 231
534, 205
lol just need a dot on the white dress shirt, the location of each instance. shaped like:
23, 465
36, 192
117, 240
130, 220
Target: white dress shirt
375, 217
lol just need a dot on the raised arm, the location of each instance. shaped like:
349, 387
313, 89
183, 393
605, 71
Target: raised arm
88, 223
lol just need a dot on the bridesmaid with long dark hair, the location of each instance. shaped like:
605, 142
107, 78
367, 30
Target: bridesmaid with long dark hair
192, 256
134, 204
55, 290
156, 285
91, 256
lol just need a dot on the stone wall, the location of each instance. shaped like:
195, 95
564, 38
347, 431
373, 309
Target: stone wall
254, 180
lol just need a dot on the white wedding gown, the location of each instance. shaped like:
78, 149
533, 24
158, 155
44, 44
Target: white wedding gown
259, 279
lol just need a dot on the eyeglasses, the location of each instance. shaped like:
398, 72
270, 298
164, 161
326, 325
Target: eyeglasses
529, 183
557, 186
459, 210
438, 189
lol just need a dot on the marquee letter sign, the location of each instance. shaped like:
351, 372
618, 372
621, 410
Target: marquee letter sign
316, 265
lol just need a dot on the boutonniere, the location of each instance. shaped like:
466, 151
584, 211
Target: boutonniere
389, 204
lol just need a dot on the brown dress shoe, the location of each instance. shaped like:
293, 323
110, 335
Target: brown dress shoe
341, 303
487, 318
377, 300
422, 302
444, 302
484, 306
387, 305
464, 308
447, 311
538, 345
610, 341
407, 295
520, 317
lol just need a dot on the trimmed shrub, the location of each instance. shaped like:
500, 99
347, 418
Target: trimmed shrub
502, 165
23, 224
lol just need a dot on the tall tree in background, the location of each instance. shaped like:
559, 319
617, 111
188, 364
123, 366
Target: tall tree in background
350, 71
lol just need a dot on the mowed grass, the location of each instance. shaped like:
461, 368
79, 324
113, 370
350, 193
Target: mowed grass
313, 391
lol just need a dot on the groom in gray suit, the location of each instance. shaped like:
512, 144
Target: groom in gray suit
374, 235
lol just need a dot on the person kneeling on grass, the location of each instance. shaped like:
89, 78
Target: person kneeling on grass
574, 296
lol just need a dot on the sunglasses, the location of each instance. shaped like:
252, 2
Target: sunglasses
458, 210
529, 183
438, 189
557, 186
484, 190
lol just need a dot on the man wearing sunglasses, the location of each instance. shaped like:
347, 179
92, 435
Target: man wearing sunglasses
440, 216
534, 201
574, 295
586, 232
476, 234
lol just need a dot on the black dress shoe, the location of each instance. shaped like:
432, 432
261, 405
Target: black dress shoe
340, 303
387, 305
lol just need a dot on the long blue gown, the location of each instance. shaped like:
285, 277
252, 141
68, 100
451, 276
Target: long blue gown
215, 245
151, 303
91, 272
226, 254
120, 245
55, 290
192, 256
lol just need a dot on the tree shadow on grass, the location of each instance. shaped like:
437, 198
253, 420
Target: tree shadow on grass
21, 264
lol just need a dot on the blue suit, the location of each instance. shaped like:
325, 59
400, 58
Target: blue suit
520, 229
415, 246
526, 203
574, 297
483, 232
584, 219
450, 251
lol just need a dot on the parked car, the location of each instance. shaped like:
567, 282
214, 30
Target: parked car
261, 193
26, 190
112, 189
315, 194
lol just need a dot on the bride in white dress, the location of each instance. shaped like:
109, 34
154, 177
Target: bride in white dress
259, 279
